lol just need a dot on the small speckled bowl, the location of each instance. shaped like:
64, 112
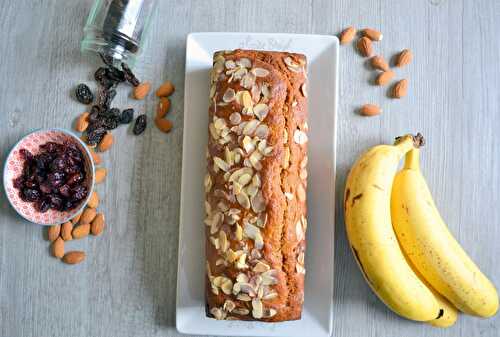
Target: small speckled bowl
14, 166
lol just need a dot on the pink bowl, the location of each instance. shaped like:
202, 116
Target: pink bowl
14, 167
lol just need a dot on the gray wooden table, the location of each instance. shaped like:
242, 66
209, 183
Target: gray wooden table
126, 287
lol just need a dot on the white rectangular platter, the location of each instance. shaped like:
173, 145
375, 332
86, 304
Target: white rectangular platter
322, 57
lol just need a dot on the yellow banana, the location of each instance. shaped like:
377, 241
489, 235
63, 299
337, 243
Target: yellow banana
430, 246
372, 238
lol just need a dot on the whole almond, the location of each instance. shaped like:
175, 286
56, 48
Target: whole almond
58, 248
97, 225
81, 231
347, 35
365, 46
95, 156
53, 232
379, 63
106, 142
87, 216
93, 200
372, 34
163, 124
166, 89
82, 122
384, 78
370, 110
100, 174
404, 58
400, 89
74, 257
66, 229
142, 90
162, 108
76, 218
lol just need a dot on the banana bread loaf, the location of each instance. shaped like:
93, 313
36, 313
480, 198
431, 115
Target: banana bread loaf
256, 186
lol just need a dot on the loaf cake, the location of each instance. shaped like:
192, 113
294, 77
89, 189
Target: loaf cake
255, 187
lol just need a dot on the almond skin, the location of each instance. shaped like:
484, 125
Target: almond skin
372, 34
58, 248
97, 225
106, 142
370, 110
384, 78
163, 107
95, 156
365, 47
142, 90
87, 216
163, 124
404, 58
66, 229
82, 122
81, 231
53, 232
347, 35
76, 218
93, 200
73, 257
100, 174
166, 89
379, 63
400, 89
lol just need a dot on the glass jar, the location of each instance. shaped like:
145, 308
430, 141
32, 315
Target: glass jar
117, 28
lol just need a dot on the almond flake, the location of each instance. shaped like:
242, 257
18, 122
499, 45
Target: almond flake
258, 203
300, 137
229, 306
207, 183
303, 174
300, 269
261, 110
242, 311
260, 72
248, 81
244, 179
218, 313
299, 233
235, 118
301, 193
229, 95
244, 62
230, 64
250, 127
303, 88
288, 195
221, 164
238, 232
246, 99
261, 267
257, 310
243, 200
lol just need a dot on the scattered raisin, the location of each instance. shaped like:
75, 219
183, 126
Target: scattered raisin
127, 116
83, 94
140, 124
129, 75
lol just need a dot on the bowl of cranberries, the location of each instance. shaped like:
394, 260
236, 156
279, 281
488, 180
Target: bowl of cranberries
49, 176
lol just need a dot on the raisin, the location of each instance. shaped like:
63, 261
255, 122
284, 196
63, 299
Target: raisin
78, 193
140, 124
26, 155
106, 98
83, 94
43, 205
31, 194
127, 116
56, 202
129, 75
108, 60
116, 74
100, 73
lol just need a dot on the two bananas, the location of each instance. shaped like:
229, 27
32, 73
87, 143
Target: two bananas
401, 244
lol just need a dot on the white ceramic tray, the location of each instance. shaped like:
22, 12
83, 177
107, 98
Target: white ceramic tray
322, 56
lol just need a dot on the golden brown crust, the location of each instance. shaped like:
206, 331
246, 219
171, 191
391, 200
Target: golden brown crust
255, 186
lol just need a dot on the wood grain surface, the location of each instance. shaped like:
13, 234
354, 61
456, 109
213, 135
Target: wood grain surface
126, 286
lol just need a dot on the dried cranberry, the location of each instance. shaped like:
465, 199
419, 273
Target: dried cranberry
75, 178
45, 187
65, 190
58, 164
79, 193
56, 202
31, 183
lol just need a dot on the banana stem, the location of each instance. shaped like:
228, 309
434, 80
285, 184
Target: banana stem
412, 160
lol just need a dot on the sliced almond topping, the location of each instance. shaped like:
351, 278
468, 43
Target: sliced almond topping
244, 179
238, 232
230, 64
261, 110
243, 200
291, 65
260, 72
224, 244
250, 127
270, 296
221, 164
294, 104
242, 311
241, 263
229, 306
257, 310
218, 313
215, 242
207, 183
299, 232
235, 118
303, 174
248, 81
300, 269
229, 95
262, 131
269, 312
245, 298
227, 286
261, 267
288, 195
300, 137
303, 88
248, 144
244, 62
286, 158
246, 99
303, 163
301, 193
243, 278
258, 203
256, 180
